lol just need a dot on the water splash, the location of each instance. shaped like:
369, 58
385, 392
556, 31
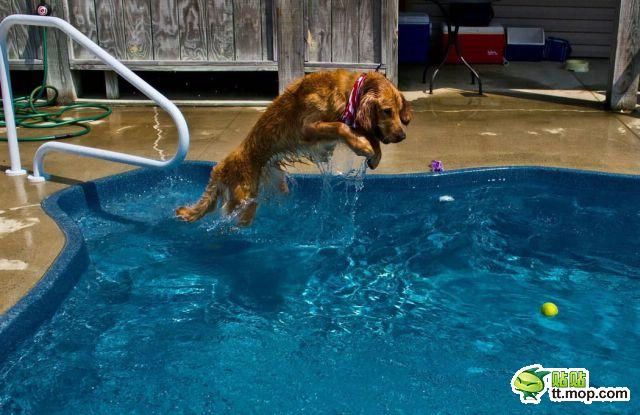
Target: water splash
329, 219
342, 180
228, 223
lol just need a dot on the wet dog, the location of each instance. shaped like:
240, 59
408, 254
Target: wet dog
305, 122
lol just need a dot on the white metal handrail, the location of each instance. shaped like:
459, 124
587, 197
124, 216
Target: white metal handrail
126, 73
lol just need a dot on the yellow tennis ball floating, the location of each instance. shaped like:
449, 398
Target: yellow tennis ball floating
549, 309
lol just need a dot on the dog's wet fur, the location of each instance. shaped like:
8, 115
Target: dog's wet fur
304, 122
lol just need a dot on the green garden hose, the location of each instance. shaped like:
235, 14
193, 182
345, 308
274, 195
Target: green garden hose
30, 113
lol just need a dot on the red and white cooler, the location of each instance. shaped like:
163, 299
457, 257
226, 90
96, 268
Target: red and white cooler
477, 44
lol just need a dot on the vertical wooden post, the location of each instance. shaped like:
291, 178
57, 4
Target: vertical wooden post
622, 90
59, 69
111, 85
290, 38
390, 38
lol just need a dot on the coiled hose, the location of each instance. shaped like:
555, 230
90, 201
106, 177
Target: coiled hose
30, 110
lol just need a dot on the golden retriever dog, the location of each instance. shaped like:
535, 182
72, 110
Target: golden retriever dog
305, 122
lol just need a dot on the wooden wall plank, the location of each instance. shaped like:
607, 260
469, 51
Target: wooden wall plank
58, 55
26, 40
248, 30
378, 27
266, 15
290, 17
344, 31
220, 33
317, 30
274, 22
369, 31
82, 14
37, 33
390, 37
624, 77
112, 85
5, 10
137, 26
17, 34
110, 22
165, 29
193, 30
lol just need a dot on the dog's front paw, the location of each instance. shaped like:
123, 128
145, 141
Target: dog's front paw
374, 161
364, 148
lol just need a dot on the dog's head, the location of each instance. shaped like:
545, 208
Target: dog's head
383, 112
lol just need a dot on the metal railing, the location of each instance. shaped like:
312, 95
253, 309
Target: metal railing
7, 100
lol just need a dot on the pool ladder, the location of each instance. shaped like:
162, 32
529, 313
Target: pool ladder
126, 73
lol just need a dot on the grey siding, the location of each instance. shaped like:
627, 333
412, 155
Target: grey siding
587, 24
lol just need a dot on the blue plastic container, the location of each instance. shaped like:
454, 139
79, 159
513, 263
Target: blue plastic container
525, 44
414, 36
556, 49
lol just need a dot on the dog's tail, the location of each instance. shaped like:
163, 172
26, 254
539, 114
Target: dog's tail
207, 203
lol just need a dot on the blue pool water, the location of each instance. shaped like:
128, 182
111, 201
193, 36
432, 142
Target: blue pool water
340, 299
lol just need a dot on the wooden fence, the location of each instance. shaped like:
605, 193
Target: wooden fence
219, 35
176, 31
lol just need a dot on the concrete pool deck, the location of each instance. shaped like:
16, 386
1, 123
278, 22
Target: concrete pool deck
553, 118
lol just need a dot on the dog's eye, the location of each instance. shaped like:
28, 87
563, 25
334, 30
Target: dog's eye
387, 111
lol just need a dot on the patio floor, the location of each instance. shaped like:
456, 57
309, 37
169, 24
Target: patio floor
531, 115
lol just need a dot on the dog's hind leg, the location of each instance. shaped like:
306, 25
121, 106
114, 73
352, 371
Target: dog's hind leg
245, 217
207, 203
242, 204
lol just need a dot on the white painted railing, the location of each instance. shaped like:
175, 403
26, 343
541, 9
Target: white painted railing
7, 99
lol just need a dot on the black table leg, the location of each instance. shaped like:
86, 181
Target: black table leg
452, 41
435, 72
474, 74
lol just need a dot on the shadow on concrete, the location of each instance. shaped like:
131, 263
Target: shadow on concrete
53, 178
551, 99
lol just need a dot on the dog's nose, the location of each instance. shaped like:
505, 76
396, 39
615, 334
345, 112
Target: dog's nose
401, 136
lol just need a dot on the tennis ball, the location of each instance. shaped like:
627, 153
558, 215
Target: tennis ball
549, 309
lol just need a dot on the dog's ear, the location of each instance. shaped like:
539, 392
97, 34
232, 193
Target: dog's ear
367, 114
405, 111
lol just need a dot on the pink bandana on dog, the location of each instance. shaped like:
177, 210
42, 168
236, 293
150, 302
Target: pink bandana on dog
349, 115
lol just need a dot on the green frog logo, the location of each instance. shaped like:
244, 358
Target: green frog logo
529, 383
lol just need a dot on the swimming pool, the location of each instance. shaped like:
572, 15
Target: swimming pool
341, 298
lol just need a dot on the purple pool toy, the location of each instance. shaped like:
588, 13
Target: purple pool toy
436, 166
